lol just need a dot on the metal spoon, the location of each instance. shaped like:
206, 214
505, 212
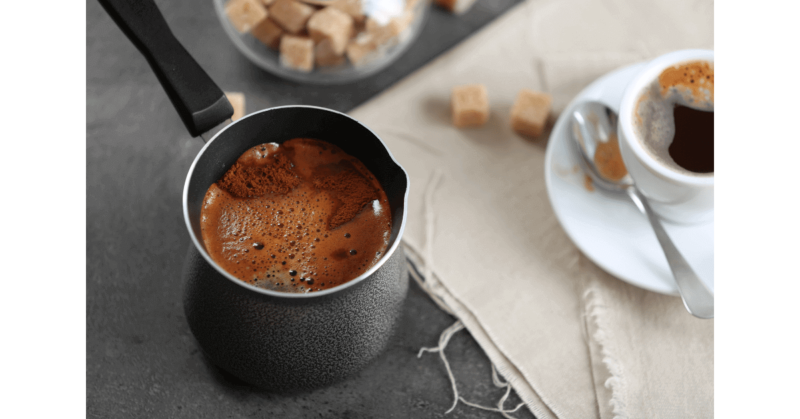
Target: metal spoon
593, 123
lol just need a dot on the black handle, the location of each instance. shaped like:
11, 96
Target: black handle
198, 100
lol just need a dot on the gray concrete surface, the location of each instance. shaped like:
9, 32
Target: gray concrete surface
141, 360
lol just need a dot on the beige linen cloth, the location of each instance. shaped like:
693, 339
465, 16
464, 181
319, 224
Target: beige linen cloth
573, 341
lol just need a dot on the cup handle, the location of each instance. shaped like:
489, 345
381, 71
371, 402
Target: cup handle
199, 101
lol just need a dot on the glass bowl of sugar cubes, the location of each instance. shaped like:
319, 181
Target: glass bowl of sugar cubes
322, 41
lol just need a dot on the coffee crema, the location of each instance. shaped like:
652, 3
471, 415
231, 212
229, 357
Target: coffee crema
301, 216
674, 118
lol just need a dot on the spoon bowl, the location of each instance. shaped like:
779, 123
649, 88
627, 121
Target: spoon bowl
594, 123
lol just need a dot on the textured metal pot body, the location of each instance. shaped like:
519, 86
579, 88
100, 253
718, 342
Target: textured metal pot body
282, 344
283, 341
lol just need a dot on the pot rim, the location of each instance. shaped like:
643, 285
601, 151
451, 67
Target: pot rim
316, 294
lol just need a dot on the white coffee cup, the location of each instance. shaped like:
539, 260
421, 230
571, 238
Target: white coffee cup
673, 195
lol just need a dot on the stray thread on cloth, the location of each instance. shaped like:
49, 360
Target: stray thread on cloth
444, 338
500, 409
426, 282
499, 383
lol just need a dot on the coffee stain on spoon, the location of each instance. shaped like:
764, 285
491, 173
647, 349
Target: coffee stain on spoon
587, 183
608, 159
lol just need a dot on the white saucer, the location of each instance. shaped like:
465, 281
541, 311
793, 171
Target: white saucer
608, 228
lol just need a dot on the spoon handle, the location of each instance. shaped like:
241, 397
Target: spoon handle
697, 298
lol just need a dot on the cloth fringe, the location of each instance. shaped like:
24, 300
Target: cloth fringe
595, 307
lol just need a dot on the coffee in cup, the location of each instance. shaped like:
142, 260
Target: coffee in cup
675, 118
666, 134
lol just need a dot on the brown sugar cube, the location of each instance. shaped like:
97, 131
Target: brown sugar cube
297, 52
269, 33
455, 6
351, 7
290, 14
529, 113
245, 14
333, 24
237, 101
325, 55
470, 105
361, 48
395, 26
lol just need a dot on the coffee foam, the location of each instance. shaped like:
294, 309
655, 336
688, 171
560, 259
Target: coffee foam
286, 242
690, 84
